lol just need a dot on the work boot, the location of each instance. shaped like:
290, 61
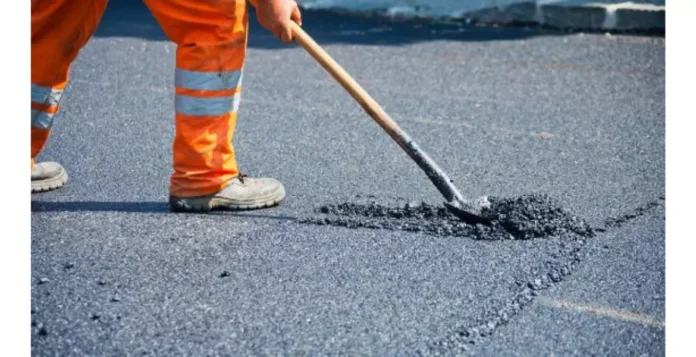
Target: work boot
47, 176
242, 193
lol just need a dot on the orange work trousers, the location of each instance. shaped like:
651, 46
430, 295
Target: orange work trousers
211, 39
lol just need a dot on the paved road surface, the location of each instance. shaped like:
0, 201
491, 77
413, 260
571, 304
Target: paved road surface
505, 111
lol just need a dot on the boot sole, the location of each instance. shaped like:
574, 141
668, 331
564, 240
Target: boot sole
50, 184
212, 203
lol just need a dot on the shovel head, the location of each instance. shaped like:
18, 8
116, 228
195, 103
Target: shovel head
471, 212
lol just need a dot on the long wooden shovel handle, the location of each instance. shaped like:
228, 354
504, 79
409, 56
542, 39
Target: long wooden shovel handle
432, 170
361, 96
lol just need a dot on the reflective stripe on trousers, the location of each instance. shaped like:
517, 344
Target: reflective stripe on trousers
45, 103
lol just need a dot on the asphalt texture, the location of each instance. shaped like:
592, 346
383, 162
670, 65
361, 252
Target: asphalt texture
525, 217
564, 128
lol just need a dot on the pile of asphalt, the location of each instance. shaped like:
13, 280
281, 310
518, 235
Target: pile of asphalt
523, 217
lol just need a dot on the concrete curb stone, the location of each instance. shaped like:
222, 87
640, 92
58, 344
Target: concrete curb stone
566, 14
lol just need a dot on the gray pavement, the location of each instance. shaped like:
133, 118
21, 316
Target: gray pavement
614, 305
504, 111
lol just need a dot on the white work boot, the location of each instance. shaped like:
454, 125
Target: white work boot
47, 176
241, 193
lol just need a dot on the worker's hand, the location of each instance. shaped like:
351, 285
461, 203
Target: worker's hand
275, 16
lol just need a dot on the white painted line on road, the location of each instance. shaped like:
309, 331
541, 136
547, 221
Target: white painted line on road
465, 124
642, 319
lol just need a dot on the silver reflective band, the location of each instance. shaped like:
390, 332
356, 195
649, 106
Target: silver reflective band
207, 80
45, 95
235, 102
41, 119
206, 106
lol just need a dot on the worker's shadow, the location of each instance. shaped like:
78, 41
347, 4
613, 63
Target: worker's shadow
133, 207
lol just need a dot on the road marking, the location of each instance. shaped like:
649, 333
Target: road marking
465, 124
643, 319
469, 125
543, 135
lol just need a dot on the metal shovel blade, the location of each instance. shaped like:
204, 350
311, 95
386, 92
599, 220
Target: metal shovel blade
471, 212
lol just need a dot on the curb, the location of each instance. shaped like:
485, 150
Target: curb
615, 17
569, 14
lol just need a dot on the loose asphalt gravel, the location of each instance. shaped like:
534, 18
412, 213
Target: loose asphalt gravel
565, 131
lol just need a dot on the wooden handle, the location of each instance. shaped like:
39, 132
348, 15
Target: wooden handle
356, 91
428, 165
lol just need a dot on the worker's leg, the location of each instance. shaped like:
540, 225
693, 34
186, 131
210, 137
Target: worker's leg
59, 29
211, 38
